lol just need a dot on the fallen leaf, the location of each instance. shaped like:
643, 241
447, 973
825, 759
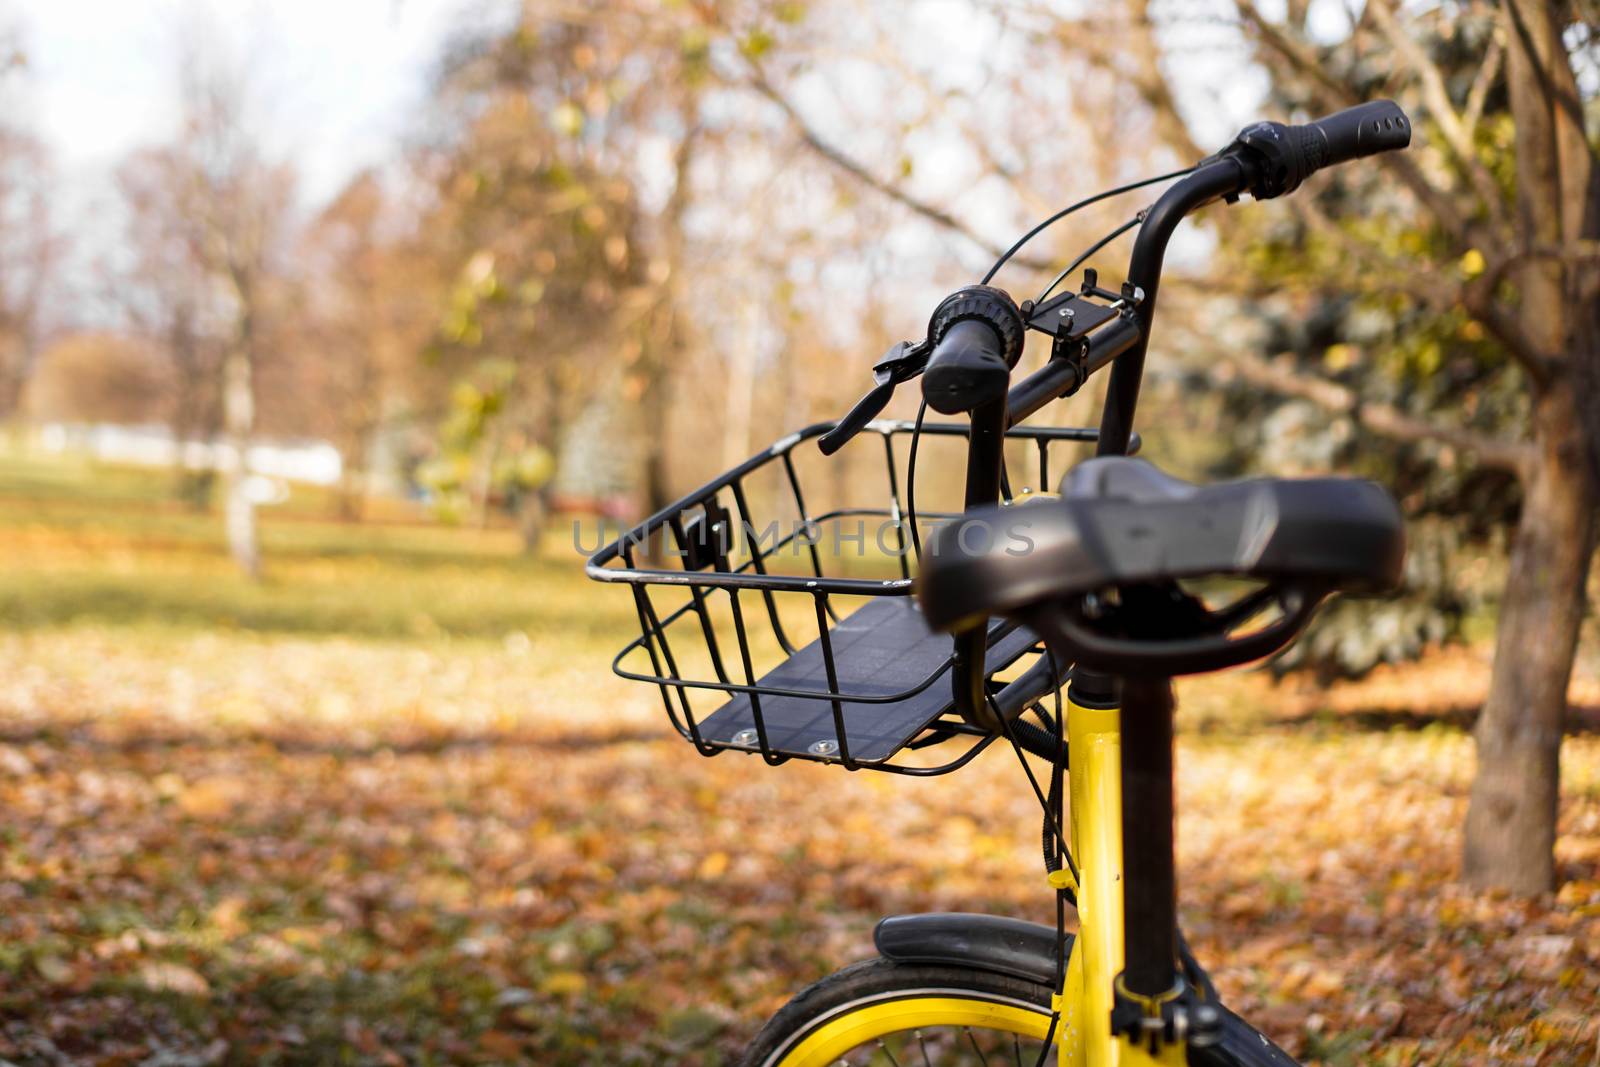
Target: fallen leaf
164, 977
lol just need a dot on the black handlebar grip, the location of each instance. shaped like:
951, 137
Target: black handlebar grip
966, 369
977, 335
1355, 132
1285, 156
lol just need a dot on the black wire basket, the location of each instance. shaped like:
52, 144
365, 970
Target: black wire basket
809, 654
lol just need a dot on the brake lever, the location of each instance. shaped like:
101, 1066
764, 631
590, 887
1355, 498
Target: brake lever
901, 363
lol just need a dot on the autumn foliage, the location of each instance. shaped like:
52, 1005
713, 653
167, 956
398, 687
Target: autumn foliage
391, 807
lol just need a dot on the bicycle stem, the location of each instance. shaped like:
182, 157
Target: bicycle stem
1149, 864
985, 456
1150, 906
1124, 342
1223, 178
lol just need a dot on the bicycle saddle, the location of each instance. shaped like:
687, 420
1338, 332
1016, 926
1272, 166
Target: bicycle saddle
1097, 569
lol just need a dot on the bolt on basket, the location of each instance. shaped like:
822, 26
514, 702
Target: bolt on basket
831, 664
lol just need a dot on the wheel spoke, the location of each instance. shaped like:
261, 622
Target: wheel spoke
942, 1046
974, 1043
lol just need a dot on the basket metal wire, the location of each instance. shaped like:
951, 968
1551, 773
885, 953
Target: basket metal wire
810, 661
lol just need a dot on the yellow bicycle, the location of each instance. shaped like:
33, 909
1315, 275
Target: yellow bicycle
1092, 591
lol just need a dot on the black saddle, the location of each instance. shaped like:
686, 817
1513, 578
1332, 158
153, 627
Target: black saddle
1126, 532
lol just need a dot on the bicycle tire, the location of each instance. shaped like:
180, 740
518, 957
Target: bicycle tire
876, 998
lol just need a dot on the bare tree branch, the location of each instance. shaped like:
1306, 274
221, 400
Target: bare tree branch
1457, 134
853, 167
1475, 295
1479, 298
1107, 41
1385, 419
1478, 95
975, 137
1153, 85
1335, 94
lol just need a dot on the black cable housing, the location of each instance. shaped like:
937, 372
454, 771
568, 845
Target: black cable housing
1064, 212
1092, 249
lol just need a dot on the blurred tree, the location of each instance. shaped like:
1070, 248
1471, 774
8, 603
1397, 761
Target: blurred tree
1486, 354
367, 315
100, 377
559, 272
482, 458
653, 109
211, 213
240, 201
30, 247
166, 299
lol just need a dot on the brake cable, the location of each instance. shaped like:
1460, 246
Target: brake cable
1062, 851
1051, 817
1092, 249
922, 408
1064, 212
1052, 822
1049, 800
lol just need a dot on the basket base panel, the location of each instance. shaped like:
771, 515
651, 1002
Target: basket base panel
883, 648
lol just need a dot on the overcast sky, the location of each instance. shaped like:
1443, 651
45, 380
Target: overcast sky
342, 82
341, 76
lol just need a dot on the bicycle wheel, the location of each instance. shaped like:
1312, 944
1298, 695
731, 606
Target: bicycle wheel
885, 1013
890, 1014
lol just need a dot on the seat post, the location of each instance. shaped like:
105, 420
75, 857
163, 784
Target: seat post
1150, 881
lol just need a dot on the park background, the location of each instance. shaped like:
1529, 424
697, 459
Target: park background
328, 332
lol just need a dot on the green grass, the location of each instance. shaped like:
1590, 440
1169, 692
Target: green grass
93, 543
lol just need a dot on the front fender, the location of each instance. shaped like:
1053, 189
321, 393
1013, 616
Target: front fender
1027, 950
987, 942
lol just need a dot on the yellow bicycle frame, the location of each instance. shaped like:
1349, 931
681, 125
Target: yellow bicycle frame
1085, 1000
1094, 738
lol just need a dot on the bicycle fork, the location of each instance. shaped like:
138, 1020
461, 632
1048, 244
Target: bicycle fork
1123, 972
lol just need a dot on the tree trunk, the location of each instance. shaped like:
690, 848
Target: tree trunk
238, 416
193, 411
653, 431
351, 497
347, 504
1511, 822
13, 376
364, 410
531, 514
663, 338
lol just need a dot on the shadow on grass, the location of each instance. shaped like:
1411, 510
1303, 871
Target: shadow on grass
483, 604
85, 736
1582, 719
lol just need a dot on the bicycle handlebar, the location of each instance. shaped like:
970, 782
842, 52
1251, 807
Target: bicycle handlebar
970, 364
1292, 154
1364, 130
976, 333
1263, 166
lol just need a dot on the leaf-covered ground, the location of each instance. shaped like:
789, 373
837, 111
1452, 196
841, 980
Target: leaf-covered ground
390, 807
